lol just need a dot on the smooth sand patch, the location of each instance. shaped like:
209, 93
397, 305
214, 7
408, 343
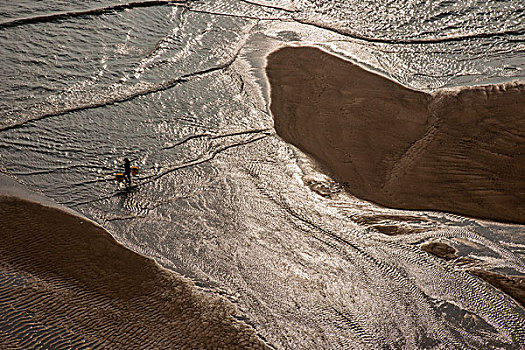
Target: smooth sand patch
458, 150
66, 283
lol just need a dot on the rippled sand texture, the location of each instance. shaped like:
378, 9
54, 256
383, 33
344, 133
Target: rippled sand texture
453, 150
65, 283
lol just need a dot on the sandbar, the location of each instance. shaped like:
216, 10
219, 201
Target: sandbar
66, 283
456, 150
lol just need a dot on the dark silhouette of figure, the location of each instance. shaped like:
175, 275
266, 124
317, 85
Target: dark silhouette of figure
127, 170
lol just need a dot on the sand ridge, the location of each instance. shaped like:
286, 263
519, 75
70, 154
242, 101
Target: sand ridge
66, 283
458, 150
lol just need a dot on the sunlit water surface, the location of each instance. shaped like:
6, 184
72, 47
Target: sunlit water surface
221, 199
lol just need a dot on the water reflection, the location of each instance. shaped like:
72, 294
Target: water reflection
223, 200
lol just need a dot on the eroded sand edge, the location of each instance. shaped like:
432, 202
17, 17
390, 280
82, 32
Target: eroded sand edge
460, 150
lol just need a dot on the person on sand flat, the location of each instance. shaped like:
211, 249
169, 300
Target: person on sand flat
127, 170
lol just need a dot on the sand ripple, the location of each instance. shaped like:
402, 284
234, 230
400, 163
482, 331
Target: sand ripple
454, 150
66, 283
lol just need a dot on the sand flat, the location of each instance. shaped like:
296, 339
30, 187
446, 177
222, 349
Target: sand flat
459, 150
66, 283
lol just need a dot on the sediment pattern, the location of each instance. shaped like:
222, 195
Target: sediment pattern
453, 150
65, 283
88, 12
511, 285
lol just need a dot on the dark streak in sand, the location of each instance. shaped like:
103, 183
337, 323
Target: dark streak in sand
514, 286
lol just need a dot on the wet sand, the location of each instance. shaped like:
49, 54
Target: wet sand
66, 283
460, 150
514, 286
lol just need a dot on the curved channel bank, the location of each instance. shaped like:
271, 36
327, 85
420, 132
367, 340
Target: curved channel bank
459, 150
66, 283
